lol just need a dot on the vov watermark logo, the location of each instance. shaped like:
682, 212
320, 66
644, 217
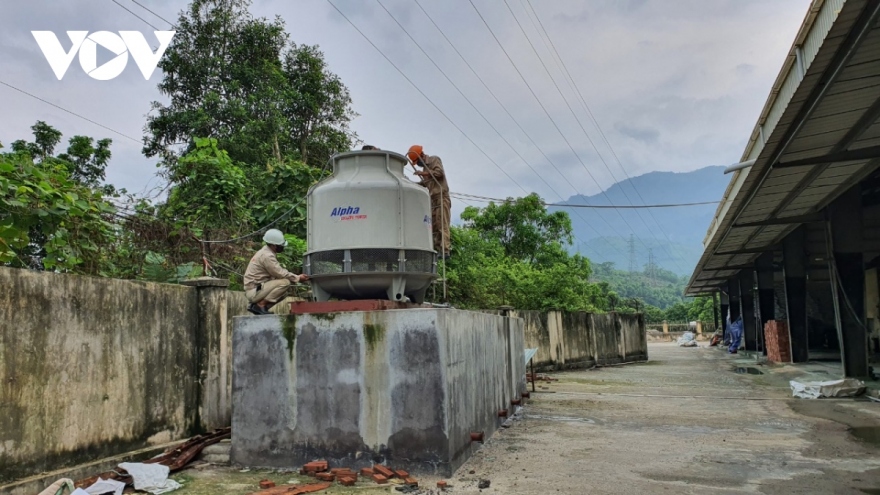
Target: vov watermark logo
123, 44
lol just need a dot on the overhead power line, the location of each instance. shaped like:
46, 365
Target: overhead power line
580, 124
132, 13
70, 112
598, 207
573, 84
155, 14
509, 114
546, 112
465, 135
463, 95
413, 84
460, 92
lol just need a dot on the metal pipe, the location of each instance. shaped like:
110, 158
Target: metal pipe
739, 166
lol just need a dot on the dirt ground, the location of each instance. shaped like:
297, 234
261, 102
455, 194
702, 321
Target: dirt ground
684, 422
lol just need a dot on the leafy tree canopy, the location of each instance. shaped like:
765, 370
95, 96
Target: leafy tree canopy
523, 227
239, 80
50, 216
514, 254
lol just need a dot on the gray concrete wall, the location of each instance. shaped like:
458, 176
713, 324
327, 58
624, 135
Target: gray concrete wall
91, 367
404, 387
94, 367
568, 340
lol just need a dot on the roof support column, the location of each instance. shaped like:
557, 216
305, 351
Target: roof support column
735, 303
845, 219
715, 311
766, 294
747, 300
794, 262
725, 307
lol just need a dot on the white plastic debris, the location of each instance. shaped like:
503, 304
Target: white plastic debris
106, 486
847, 387
79, 491
151, 478
688, 339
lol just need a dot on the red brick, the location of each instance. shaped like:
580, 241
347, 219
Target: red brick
326, 476
409, 480
316, 466
777, 340
264, 484
347, 481
378, 478
367, 471
502, 413
294, 489
442, 484
383, 470
400, 473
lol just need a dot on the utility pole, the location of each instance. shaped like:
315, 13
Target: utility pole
632, 254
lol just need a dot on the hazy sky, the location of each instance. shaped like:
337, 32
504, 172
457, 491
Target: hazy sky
675, 85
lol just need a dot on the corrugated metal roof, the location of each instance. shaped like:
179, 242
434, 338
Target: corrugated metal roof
826, 100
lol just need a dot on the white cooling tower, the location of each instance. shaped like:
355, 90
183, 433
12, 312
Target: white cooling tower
369, 231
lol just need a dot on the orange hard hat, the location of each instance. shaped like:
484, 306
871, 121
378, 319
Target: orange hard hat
415, 151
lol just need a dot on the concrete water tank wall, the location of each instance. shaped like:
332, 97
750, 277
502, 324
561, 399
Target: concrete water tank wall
402, 387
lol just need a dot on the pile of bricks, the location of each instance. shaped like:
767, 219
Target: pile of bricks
345, 476
777, 340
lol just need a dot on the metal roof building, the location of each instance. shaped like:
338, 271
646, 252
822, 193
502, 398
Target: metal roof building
797, 233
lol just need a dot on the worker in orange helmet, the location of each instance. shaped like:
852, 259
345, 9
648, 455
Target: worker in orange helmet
433, 178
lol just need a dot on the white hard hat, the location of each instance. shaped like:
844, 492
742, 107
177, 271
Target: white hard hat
274, 236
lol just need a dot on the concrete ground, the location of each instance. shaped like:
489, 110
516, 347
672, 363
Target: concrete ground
685, 422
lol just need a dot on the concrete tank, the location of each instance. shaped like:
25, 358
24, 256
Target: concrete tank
369, 231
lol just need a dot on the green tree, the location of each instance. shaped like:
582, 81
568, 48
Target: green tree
237, 79
55, 199
514, 254
46, 138
678, 312
653, 314
320, 111
522, 226
48, 220
701, 309
87, 160
209, 193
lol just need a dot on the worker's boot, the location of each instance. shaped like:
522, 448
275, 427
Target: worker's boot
257, 309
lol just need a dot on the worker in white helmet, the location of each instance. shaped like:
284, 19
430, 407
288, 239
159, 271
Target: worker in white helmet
265, 280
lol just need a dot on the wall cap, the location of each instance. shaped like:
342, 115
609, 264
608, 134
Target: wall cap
206, 282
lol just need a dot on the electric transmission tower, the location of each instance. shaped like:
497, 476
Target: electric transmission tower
652, 267
632, 254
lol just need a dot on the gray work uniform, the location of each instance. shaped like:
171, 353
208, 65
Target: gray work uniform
265, 271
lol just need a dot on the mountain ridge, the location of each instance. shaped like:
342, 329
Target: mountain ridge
671, 237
